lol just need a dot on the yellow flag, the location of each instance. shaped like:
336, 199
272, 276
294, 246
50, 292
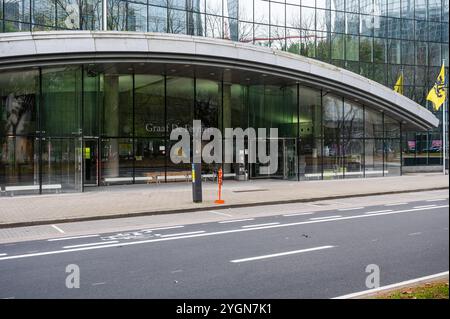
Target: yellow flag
437, 94
399, 85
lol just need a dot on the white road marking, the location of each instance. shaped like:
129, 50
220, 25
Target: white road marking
297, 214
219, 213
379, 211
183, 234
424, 206
437, 200
58, 229
74, 237
260, 225
162, 228
327, 217
232, 231
3, 254
415, 234
92, 244
236, 221
352, 208
280, 254
395, 204
393, 286
98, 283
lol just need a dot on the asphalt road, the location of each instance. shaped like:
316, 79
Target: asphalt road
319, 254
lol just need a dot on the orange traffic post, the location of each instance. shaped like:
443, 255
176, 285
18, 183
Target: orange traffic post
220, 201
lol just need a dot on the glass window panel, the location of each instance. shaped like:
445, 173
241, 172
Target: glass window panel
366, 25
352, 48
293, 16
61, 96
117, 15
68, 14
392, 157
17, 14
407, 9
391, 128
337, 46
373, 160
246, 11
261, 35
91, 15
352, 23
277, 13
43, 17
308, 43
408, 52
354, 158
157, 19
308, 18
149, 104
176, 21
353, 120
373, 123
214, 26
61, 164
261, 11
337, 22
150, 160
421, 9
117, 105
379, 50
323, 46
136, 17
366, 49
19, 165
180, 102
332, 126
117, 161
293, 41
19, 97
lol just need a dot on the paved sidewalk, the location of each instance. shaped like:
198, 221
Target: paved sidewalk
138, 200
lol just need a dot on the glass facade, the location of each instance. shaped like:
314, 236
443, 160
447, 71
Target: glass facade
378, 39
69, 127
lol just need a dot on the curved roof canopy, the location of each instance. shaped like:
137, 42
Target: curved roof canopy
18, 50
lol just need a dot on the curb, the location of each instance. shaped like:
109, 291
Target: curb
207, 208
409, 283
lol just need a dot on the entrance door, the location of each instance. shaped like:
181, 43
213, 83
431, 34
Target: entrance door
91, 162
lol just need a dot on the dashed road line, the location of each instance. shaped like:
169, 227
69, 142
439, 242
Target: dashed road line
281, 254
297, 214
395, 204
3, 254
437, 200
236, 221
74, 237
415, 234
424, 206
379, 211
162, 228
92, 244
260, 225
183, 234
327, 217
351, 208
